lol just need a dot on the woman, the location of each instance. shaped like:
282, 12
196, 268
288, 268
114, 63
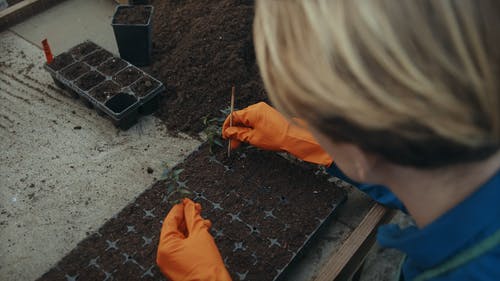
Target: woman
403, 94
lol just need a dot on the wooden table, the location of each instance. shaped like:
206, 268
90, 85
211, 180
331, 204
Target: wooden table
342, 246
344, 264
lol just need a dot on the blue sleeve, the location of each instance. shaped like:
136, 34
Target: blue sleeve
483, 268
379, 193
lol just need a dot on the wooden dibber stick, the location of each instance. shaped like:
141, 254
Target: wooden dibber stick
230, 121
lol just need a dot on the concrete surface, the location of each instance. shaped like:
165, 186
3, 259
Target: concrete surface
58, 183
71, 22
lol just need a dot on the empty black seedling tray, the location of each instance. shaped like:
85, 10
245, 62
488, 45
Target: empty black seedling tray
112, 85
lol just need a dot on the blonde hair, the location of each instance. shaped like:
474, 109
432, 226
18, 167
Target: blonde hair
416, 72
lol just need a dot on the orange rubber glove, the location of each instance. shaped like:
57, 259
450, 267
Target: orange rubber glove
263, 126
186, 250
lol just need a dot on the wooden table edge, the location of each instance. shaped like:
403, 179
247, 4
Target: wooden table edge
344, 263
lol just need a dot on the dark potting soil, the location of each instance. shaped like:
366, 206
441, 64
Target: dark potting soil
112, 66
262, 208
89, 80
201, 48
127, 76
97, 57
132, 15
144, 86
76, 70
61, 61
83, 49
105, 90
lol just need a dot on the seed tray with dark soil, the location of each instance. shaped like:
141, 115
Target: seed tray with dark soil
144, 86
83, 49
132, 15
74, 71
105, 91
127, 76
123, 106
112, 66
200, 49
97, 57
89, 80
61, 61
255, 243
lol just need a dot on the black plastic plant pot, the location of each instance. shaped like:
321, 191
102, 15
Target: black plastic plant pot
59, 62
132, 27
151, 106
124, 116
60, 85
148, 90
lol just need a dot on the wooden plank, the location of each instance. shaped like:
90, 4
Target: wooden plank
338, 262
16, 7
23, 10
356, 261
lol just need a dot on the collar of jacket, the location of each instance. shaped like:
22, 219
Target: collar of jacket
459, 228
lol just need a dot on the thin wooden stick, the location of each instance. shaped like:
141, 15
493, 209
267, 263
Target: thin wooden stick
230, 121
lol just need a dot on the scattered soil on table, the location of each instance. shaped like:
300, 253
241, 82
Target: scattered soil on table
105, 91
97, 57
75, 71
127, 76
262, 208
201, 48
132, 15
89, 80
61, 61
112, 66
144, 86
83, 49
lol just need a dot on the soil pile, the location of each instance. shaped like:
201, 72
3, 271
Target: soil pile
200, 49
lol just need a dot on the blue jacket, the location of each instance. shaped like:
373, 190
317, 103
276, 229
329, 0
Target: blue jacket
456, 234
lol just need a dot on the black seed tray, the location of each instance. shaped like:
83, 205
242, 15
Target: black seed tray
87, 68
264, 213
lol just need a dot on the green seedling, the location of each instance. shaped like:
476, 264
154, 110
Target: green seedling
176, 189
213, 129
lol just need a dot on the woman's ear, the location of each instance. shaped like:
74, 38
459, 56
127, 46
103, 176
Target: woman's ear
352, 160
